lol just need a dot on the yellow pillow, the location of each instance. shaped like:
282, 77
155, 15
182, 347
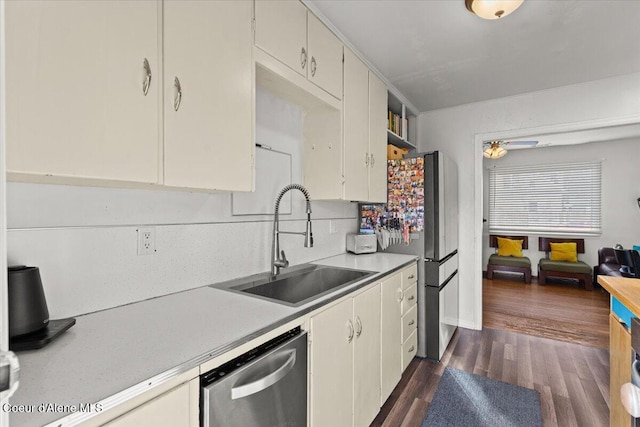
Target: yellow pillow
564, 252
509, 247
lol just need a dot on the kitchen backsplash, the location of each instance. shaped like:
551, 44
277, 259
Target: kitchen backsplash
84, 239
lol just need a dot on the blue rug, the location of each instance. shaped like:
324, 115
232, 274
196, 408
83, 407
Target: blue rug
464, 399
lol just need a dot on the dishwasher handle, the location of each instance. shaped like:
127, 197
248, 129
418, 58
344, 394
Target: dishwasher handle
266, 381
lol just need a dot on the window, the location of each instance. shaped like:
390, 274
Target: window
556, 198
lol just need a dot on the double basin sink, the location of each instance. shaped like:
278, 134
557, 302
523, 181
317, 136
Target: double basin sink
300, 286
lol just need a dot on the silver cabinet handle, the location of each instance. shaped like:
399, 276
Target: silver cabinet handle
350, 325
266, 381
411, 349
366, 159
178, 99
411, 323
373, 160
411, 277
400, 295
358, 326
303, 58
411, 298
146, 84
313, 66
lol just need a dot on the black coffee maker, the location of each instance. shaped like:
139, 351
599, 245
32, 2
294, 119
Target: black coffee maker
29, 324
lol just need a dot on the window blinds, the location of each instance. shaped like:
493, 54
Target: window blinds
551, 199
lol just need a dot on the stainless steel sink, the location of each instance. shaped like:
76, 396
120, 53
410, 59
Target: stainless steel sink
299, 287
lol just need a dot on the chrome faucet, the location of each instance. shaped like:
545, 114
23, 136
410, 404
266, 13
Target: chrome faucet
278, 258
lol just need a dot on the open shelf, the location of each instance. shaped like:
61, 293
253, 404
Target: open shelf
405, 124
393, 138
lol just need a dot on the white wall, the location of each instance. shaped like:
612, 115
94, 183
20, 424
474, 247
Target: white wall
84, 239
620, 189
455, 130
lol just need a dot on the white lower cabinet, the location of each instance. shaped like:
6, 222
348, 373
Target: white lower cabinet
409, 315
391, 335
345, 362
177, 407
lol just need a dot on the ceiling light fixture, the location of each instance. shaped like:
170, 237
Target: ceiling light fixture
494, 151
492, 9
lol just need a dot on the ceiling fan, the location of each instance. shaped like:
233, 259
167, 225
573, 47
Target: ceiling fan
496, 149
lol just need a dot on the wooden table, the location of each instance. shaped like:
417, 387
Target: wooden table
627, 291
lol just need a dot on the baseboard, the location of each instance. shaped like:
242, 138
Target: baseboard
467, 324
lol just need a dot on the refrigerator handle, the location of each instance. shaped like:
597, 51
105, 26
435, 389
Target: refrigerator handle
448, 257
446, 282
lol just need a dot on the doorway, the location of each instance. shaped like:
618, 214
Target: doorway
559, 136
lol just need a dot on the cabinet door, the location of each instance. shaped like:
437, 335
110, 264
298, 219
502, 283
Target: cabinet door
377, 140
332, 334
208, 54
325, 57
391, 336
366, 357
281, 30
356, 128
620, 366
75, 100
172, 409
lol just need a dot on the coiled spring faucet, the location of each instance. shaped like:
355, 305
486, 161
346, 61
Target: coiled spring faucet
278, 258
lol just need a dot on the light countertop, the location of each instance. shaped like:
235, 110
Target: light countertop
108, 352
626, 290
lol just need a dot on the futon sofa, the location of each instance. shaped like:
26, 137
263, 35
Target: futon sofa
547, 267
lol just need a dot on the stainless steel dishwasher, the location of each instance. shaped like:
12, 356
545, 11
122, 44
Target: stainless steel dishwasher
266, 386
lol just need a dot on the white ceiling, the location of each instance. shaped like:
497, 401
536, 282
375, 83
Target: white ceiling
608, 133
437, 54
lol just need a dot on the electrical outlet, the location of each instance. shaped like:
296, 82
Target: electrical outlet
332, 227
146, 240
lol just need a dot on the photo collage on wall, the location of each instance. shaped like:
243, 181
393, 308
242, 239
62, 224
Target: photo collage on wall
405, 198
372, 217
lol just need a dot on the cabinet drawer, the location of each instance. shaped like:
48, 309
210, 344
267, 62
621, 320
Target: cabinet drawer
409, 349
410, 297
409, 322
409, 276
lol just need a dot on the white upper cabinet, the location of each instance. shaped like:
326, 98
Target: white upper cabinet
365, 135
293, 35
325, 57
378, 96
356, 128
83, 90
208, 103
281, 30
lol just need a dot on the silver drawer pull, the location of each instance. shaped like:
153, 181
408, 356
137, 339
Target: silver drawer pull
303, 58
178, 97
313, 66
146, 84
411, 323
411, 349
411, 277
411, 298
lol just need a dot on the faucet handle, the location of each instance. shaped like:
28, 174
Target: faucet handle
285, 261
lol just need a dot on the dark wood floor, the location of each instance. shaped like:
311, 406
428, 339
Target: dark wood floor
560, 310
572, 379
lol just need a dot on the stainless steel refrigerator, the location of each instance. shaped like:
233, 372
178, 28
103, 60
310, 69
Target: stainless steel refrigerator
422, 203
